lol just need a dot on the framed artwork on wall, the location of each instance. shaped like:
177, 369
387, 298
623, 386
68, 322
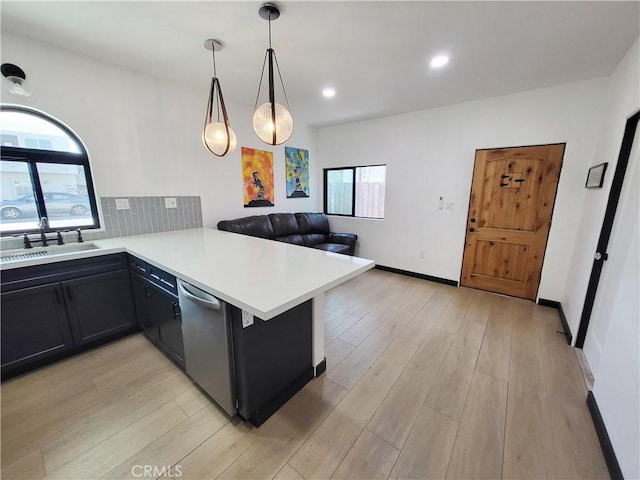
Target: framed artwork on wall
257, 176
297, 172
595, 176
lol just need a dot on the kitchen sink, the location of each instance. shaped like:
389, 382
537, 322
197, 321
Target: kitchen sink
45, 252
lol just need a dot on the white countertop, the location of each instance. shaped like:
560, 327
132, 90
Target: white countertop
263, 277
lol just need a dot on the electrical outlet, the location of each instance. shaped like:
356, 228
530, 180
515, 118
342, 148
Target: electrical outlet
247, 319
122, 204
421, 254
170, 202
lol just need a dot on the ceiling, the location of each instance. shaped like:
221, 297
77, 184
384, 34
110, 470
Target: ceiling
375, 54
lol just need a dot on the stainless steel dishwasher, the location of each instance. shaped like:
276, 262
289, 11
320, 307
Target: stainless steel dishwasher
206, 330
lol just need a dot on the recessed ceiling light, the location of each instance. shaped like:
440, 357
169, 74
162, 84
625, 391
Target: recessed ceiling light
329, 92
439, 61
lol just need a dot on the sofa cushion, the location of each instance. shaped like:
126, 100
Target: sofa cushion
314, 239
313, 223
284, 224
333, 247
314, 228
296, 239
255, 226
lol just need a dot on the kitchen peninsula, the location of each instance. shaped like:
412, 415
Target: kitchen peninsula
261, 278
262, 281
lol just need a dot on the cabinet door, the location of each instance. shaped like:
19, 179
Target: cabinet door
169, 321
99, 305
144, 307
34, 325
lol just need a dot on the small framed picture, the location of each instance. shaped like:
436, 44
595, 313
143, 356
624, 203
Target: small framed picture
595, 177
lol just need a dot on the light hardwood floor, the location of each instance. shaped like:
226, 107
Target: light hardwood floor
423, 381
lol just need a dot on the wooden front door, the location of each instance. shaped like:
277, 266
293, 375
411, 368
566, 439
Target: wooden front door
512, 197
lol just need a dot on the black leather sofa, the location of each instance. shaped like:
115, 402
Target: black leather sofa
307, 229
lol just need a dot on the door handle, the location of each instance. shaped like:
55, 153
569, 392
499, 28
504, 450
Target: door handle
210, 302
472, 229
473, 220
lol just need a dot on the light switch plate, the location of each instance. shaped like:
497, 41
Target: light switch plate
170, 202
122, 204
247, 319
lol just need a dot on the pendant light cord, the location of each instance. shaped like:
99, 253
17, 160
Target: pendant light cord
215, 75
284, 91
264, 62
213, 53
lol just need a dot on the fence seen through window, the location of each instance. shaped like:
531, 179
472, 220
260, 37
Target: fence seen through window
355, 191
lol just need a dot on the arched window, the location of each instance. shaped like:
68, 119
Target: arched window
45, 176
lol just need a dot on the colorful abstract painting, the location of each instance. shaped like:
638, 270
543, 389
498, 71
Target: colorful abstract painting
297, 171
257, 175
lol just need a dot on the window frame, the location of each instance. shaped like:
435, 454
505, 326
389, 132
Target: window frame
31, 157
353, 169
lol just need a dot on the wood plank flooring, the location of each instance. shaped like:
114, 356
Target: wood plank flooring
423, 381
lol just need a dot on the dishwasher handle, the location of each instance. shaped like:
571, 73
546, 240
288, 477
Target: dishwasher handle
206, 300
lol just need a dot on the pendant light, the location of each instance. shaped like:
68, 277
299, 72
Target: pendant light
217, 135
272, 121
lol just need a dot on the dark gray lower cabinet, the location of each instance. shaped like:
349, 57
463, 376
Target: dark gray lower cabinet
34, 325
169, 324
157, 308
144, 311
99, 305
50, 311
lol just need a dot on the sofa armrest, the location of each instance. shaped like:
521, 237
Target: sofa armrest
345, 239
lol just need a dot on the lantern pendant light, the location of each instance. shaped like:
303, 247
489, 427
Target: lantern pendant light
272, 121
217, 135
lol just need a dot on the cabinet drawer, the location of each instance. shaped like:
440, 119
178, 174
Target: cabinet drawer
163, 279
156, 275
139, 266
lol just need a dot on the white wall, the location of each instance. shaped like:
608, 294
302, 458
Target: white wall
431, 154
613, 340
622, 102
612, 344
143, 134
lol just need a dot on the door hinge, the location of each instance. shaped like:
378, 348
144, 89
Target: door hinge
601, 256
